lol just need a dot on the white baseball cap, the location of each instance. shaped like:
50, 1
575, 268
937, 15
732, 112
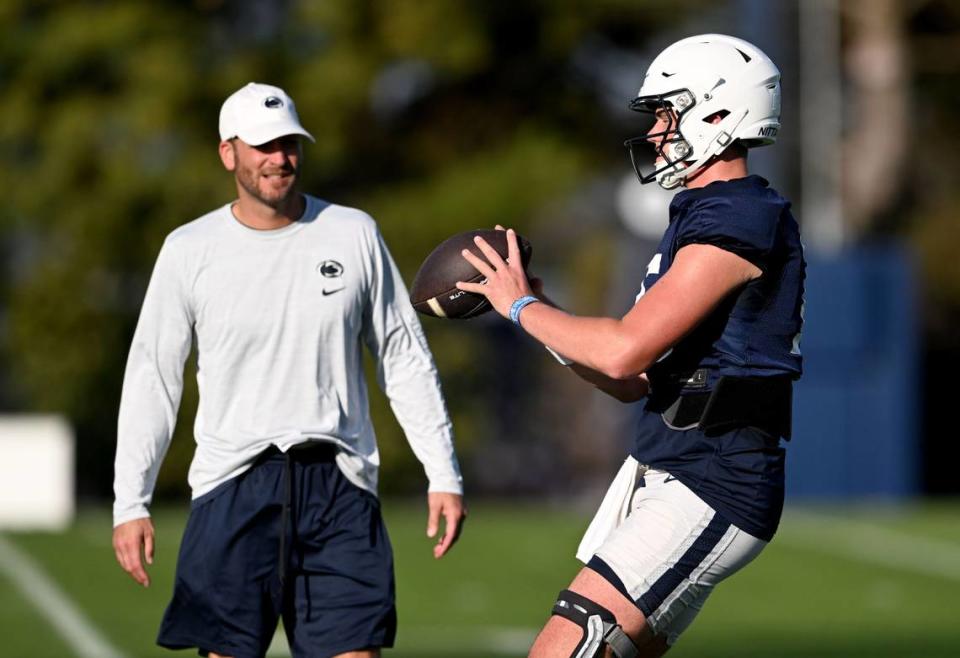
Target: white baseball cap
259, 113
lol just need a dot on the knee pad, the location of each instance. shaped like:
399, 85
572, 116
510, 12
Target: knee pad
599, 626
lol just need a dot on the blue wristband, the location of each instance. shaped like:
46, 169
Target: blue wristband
519, 305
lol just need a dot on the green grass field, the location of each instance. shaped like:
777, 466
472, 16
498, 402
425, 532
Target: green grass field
837, 582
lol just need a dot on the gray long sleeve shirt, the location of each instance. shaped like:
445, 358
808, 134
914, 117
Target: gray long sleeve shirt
279, 318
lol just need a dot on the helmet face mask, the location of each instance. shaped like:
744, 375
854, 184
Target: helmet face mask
670, 148
719, 90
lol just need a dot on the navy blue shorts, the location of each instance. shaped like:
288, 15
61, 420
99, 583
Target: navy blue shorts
324, 563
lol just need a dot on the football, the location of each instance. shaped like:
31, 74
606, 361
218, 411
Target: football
434, 291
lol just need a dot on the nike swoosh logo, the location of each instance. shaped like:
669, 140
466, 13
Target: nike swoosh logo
330, 292
669, 478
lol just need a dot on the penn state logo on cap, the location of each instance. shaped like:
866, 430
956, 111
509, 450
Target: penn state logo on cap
258, 113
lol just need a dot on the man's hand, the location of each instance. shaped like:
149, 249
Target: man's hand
130, 539
450, 507
505, 280
536, 283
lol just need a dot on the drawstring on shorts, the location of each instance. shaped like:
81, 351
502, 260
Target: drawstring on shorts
285, 515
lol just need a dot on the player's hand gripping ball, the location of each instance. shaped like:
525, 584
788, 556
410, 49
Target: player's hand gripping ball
434, 291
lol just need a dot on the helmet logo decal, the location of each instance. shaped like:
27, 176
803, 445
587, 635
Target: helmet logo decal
273, 102
768, 131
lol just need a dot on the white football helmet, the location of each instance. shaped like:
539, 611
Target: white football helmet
702, 79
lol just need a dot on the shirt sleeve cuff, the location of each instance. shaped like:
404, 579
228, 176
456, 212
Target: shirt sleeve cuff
450, 484
130, 514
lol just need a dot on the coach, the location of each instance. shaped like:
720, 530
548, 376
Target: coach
280, 289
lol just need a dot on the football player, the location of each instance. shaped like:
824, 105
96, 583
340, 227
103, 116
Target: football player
710, 346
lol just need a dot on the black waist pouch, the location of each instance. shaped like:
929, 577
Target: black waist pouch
762, 402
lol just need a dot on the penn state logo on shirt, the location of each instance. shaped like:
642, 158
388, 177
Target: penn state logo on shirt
330, 269
333, 271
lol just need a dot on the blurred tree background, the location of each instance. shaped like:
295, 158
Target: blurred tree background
435, 116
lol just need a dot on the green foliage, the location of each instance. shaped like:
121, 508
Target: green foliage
103, 154
108, 142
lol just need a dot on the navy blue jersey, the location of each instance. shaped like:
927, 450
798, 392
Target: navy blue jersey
753, 333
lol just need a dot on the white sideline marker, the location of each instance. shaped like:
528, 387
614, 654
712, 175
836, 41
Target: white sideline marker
53, 604
36, 472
